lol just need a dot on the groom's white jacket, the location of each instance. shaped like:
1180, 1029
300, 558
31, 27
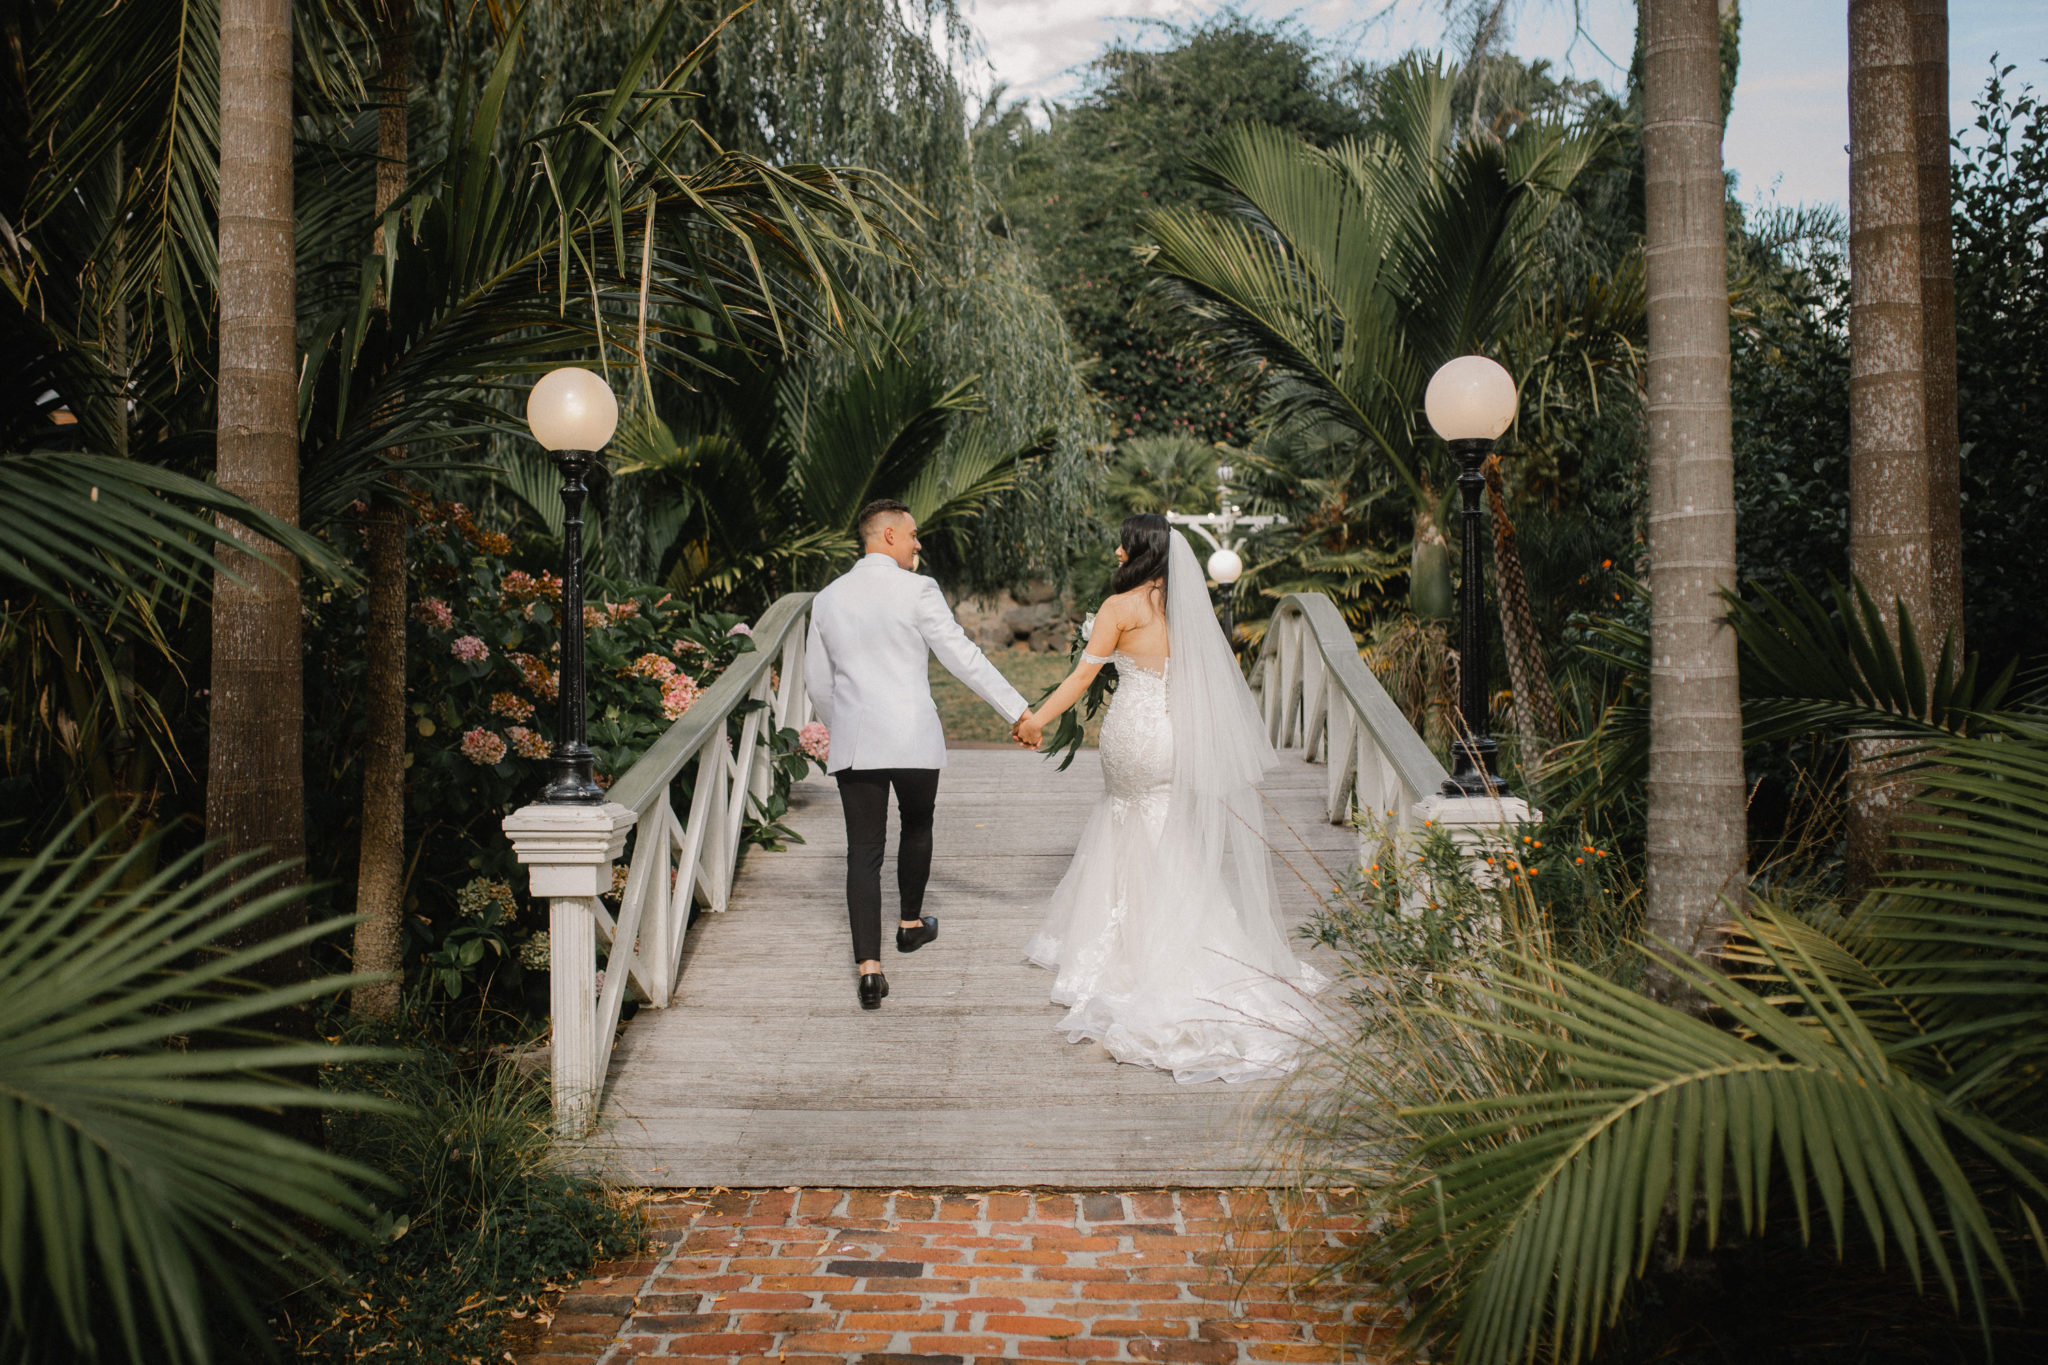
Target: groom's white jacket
873, 630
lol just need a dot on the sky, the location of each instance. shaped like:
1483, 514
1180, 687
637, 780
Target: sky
1787, 135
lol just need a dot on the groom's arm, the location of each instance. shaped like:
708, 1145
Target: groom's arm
818, 672
962, 658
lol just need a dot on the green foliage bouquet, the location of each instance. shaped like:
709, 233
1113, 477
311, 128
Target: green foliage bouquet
1072, 727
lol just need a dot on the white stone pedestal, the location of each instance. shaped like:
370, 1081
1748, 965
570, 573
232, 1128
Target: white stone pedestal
1480, 825
568, 852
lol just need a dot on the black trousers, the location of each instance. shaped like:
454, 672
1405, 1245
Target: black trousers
864, 795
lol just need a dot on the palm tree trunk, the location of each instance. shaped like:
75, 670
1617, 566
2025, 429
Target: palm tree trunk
255, 766
1938, 324
380, 867
1697, 836
255, 784
1890, 533
1536, 714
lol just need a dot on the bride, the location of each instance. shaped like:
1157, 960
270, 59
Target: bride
1164, 935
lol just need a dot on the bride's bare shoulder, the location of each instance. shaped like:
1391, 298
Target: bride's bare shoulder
1126, 608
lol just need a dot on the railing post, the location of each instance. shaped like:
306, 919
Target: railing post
568, 852
1479, 825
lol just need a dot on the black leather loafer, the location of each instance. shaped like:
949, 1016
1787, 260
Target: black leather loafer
910, 940
873, 987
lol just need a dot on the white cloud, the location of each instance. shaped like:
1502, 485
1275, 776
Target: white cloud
1037, 47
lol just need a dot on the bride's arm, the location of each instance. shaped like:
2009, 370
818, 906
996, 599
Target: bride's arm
1109, 628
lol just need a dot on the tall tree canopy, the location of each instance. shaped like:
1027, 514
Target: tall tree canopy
1076, 190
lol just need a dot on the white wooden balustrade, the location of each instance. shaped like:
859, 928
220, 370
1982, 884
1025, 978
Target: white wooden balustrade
674, 862
1319, 696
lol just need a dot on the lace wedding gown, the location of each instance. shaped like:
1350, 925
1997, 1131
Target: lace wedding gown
1163, 935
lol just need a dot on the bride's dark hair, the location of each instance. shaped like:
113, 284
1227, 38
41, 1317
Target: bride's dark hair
1145, 541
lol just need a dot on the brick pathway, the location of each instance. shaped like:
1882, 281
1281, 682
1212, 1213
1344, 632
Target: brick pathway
805, 1277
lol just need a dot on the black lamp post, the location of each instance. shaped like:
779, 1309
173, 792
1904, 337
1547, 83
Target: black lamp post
572, 413
1470, 403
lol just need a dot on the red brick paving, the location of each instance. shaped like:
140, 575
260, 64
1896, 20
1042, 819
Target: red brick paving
807, 1277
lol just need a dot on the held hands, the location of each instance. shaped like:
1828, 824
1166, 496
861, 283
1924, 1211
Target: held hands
1027, 731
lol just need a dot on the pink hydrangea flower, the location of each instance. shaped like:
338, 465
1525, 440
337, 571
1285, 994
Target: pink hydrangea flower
652, 666
686, 646
511, 705
521, 586
526, 743
615, 612
470, 649
593, 619
815, 740
483, 747
539, 678
741, 629
434, 612
677, 695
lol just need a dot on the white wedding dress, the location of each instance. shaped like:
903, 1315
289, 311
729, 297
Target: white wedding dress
1164, 937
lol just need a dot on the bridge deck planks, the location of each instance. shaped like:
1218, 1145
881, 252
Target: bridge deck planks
765, 1072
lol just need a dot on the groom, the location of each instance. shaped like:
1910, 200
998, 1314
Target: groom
873, 629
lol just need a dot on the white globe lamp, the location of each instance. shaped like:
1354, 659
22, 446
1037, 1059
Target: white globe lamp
1470, 399
572, 409
1226, 567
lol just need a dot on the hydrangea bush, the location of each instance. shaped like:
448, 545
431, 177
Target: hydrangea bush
483, 688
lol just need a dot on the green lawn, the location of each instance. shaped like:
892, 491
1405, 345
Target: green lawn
968, 719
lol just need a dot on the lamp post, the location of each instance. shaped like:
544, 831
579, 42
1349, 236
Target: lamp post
572, 413
1219, 528
1470, 402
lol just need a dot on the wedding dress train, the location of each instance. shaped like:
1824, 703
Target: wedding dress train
1164, 936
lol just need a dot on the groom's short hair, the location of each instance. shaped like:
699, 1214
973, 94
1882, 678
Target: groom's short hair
874, 512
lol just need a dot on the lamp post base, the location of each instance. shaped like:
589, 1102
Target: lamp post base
570, 780
1472, 772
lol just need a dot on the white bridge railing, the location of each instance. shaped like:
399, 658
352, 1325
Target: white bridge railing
674, 862
1319, 697
1316, 692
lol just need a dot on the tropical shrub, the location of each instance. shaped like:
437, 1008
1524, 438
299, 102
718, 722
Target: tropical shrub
1077, 184
481, 1215
2001, 241
1558, 1165
758, 494
483, 700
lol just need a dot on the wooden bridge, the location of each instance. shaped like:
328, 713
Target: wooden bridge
749, 1061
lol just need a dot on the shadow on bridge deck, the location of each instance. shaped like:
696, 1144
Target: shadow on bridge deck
765, 1072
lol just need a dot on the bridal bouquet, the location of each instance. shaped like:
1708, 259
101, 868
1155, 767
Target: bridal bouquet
1065, 738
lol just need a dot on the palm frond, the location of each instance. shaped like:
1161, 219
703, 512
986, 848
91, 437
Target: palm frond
140, 83
1343, 277
1811, 665
958, 483
500, 265
867, 431
1540, 1207
111, 530
133, 1201
1951, 950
